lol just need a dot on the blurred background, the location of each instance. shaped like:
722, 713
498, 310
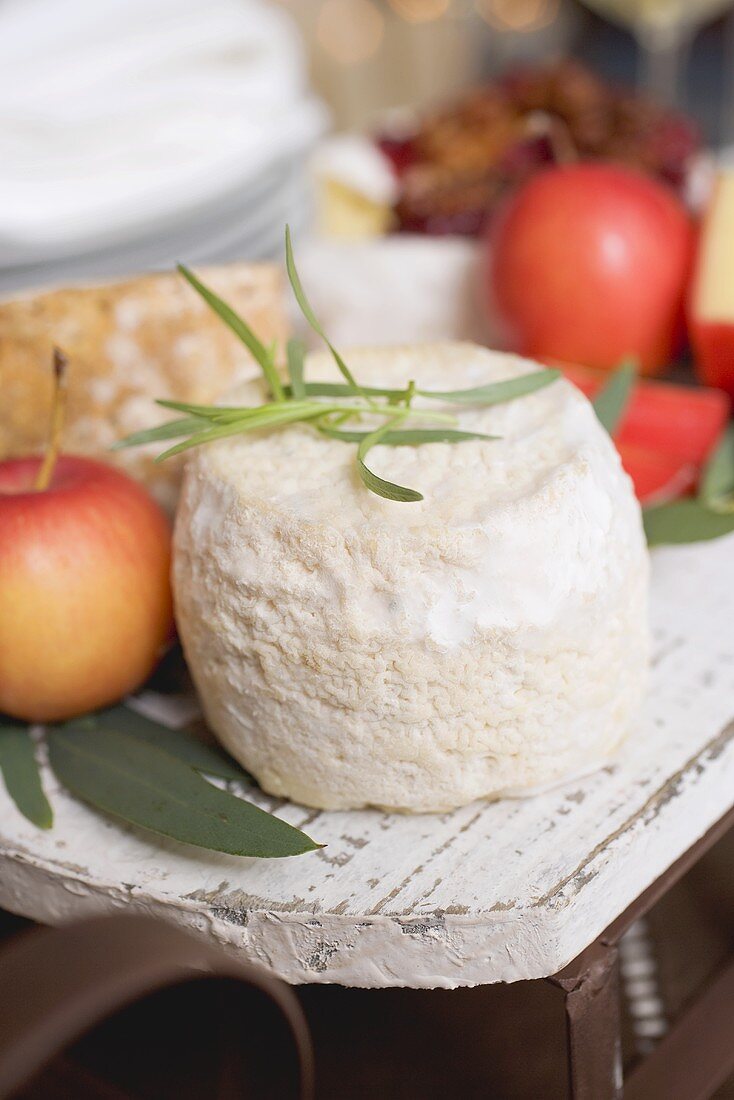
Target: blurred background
367, 56
135, 133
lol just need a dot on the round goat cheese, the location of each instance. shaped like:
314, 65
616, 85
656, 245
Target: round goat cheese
354, 651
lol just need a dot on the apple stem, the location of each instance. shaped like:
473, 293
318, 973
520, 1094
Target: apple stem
45, 473
558, 133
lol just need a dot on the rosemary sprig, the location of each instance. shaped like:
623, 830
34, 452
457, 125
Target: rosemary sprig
328, 405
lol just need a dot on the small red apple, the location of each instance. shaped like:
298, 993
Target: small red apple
589, 263
711, 317
85, 601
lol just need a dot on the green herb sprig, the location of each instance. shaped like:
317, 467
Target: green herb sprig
379, 416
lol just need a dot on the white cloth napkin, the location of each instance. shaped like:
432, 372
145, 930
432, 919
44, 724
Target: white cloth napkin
119, 117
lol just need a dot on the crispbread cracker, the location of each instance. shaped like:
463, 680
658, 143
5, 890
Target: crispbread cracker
128, 343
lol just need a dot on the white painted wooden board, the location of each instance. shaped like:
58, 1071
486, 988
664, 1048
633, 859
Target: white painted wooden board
493, 892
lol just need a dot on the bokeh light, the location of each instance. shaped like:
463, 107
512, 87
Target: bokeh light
420, 11
350, 31
518, 15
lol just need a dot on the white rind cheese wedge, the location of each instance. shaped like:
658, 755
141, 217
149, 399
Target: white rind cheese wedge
353, 651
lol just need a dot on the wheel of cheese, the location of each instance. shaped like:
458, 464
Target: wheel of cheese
353, 651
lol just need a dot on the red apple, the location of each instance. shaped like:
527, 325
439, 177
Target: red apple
85, 602
589, 263
711, 318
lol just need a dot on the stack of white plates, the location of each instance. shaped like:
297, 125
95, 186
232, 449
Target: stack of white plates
134, 133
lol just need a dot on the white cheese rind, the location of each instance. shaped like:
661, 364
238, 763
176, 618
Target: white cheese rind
352, 651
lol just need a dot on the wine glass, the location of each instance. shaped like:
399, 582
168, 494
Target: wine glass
664, 30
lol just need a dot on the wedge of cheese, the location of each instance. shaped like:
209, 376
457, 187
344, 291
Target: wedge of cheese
127, 343
353, 651
711, 309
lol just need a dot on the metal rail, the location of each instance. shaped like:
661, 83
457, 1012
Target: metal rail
697, 1054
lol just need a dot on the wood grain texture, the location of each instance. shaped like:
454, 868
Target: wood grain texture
492, 892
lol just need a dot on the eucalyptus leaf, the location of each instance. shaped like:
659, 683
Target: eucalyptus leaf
209, 759
495, 393
717, 481
133, 780
241, 329
308, 313
378, 485
22, 775
295, 355
685, 521
612, 400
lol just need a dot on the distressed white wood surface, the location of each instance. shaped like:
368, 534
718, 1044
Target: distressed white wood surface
492, 892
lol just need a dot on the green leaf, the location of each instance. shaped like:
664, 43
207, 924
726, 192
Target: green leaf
378, 485
172, 430
209, 759
143, 785
295, 354
685, 521
22, 775
198, 411
228, 414
308, 313
341, 389
409, 437
241, 329
495, 393
717, 481
270, 416
611, 401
